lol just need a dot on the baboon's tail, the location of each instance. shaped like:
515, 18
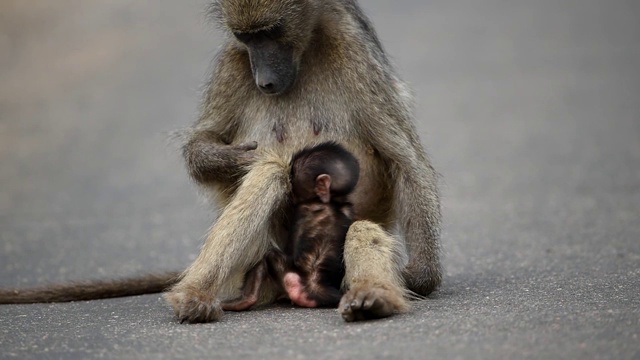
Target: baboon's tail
90, 290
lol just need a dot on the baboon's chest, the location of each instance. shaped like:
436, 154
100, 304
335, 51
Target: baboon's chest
294, 125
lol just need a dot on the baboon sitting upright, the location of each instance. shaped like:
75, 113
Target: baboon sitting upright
291, 74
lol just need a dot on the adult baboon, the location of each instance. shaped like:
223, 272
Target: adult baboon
293, 73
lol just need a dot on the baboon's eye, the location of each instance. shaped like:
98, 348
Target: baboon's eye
243, 37
272, 33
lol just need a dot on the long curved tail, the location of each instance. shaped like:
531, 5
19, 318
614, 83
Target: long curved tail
90, 290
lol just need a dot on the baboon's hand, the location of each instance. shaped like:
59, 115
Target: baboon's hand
243, 153
214, 162
366, 303
194, 307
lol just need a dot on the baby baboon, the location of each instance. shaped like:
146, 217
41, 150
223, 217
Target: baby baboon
311, 269
322, 178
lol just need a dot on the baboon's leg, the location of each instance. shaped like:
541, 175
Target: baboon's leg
238, 240
418, 207
416, 202
373, 283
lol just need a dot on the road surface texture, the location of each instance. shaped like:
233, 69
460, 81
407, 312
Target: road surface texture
529, 109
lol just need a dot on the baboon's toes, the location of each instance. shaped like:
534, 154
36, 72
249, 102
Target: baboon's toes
422, 278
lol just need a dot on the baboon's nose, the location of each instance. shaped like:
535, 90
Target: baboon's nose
266, 87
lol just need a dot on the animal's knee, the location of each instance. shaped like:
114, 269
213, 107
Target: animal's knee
366, 235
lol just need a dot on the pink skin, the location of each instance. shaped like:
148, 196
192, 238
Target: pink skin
295, 290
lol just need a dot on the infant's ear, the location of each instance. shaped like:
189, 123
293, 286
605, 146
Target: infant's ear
323, 187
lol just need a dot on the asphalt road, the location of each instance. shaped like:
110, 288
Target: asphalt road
529, 109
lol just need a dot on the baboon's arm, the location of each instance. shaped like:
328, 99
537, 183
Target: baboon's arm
236, 242
209, 160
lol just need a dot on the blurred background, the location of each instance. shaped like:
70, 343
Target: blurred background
530, 111
92, 184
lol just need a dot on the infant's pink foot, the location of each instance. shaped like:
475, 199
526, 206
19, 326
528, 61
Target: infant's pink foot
295, 290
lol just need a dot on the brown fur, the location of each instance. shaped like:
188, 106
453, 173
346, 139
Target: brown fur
345, 91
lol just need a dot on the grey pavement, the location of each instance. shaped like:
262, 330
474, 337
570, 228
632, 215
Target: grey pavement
529, 109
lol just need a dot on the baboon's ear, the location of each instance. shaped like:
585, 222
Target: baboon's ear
323, 187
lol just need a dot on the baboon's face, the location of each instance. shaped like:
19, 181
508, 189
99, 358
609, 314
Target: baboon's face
272, 60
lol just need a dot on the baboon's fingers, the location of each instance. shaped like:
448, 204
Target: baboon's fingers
193, 307
365, 304
251, 145
352, 306
345, 310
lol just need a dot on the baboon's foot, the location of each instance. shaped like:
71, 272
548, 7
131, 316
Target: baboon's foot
422, 279
366, 302
193, 306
